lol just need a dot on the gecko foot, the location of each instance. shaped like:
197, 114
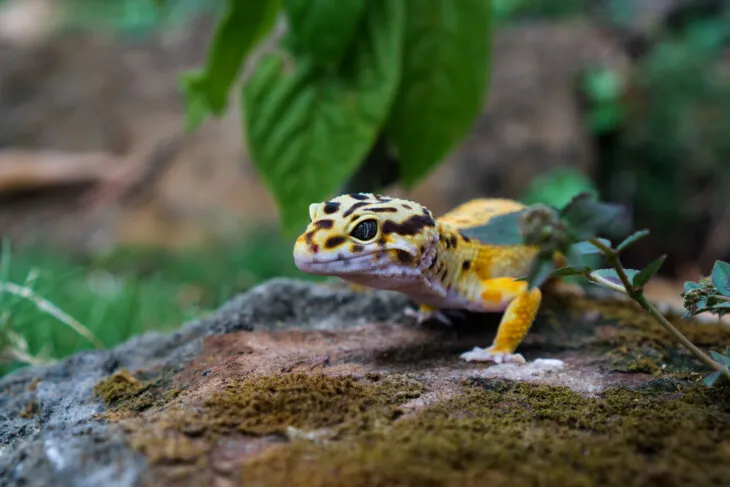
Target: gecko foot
486, 355
423, 316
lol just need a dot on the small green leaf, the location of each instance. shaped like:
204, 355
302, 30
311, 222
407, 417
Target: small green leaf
634, 237
501, 230
588, 217
710, 380
444, 84
691, 286
721, 277
323, 29
308, 128
574, 257
541, 270
648, 272
720, 358
243, 24
587, 248
611, 276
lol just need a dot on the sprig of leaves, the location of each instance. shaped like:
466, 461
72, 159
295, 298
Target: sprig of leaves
565, 231
711, 294
574, 231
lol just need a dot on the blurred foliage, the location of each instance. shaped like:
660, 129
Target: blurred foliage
514, 10
558, 186
127, 292
346, 77
664, 126
137, 18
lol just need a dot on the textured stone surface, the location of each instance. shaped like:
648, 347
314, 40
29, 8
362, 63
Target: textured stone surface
52, 444
54, 429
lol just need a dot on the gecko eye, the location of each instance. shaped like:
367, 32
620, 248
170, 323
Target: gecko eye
365, 230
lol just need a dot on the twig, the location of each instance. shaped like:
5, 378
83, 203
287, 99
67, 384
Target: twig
637, 295
50, 308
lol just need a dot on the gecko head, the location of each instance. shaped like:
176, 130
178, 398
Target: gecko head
365, 235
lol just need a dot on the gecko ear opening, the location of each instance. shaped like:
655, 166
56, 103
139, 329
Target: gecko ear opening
313, 211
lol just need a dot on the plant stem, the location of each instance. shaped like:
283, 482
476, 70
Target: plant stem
638, 296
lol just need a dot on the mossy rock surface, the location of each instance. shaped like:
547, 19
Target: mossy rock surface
319, 385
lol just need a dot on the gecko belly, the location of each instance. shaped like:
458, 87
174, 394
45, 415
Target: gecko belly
452, 300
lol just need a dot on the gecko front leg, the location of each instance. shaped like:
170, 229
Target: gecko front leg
518, 317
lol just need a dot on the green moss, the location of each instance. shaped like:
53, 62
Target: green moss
123, 393
271, 405
635, 342
501, 433
117, 387
31, 409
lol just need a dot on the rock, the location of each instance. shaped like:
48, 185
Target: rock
37, 447
290, 364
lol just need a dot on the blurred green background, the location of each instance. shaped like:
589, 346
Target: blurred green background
658, 126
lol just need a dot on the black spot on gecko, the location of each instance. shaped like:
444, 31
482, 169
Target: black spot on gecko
335, 241
359, 196
422, 249
453, 241
407, 207
384, 209
324, 223
403, 256
446, 241
354, 207
466, 238
331, 207
356, 248
444, 273
412, 226
466, 265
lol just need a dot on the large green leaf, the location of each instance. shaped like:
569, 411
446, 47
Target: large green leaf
307, 127
500, 230
445, 72
243, 24
323, 29
589, 217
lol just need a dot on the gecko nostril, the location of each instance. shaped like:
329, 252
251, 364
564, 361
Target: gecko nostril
315, 248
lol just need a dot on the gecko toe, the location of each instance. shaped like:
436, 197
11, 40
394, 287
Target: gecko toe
423, 316
486, 355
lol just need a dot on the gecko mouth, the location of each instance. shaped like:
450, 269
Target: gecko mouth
344, 264
308, 263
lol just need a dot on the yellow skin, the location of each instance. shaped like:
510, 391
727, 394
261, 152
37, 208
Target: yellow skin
404, 248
